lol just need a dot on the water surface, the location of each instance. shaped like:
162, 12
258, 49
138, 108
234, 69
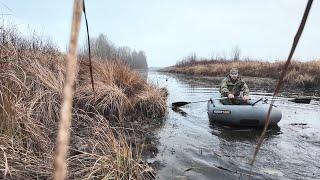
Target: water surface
192, 148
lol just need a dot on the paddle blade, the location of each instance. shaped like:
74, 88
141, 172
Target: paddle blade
301, 100
179, 104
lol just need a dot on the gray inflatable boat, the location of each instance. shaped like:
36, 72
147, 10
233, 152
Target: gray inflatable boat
252, 114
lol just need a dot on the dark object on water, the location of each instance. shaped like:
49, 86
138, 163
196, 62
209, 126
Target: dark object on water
180, 103
189, 169
301, 100
295, 100
242, 115
298, 124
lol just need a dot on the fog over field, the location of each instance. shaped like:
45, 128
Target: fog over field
168, 30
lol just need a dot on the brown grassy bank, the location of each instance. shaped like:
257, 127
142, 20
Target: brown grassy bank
300, 74
108, 128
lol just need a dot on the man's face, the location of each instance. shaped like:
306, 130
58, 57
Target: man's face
234, 75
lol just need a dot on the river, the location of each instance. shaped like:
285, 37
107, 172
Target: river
192, 148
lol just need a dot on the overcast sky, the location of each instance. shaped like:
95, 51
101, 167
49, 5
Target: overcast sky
168, 30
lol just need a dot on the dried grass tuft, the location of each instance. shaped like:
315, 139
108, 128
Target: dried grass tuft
32, 75
109, 100
151, 102
107, 154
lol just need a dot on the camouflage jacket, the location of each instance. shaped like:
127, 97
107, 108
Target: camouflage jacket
228, 86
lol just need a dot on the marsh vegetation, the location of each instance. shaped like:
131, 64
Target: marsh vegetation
107, 133
303, 75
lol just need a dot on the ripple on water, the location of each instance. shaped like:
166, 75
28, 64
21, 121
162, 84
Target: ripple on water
192, 148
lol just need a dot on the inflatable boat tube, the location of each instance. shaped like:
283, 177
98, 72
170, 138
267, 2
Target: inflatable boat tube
242, 115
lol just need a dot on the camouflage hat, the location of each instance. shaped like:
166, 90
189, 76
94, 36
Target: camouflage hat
234, 70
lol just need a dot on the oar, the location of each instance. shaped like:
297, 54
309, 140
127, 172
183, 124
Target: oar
182, 103
295, 100
301, 100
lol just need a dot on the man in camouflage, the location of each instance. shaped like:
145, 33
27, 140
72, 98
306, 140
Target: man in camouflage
233, 86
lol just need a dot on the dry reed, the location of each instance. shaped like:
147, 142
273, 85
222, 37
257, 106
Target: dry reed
63, 136
281, 78
31, 89
300, 74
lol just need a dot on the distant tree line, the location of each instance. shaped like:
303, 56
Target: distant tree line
103, 49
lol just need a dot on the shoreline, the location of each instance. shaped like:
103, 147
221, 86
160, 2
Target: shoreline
262, 83
300, 75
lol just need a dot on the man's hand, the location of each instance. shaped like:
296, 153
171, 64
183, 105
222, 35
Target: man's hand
230, 96
246, 98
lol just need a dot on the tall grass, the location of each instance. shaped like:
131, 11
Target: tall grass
300, 74
102, 140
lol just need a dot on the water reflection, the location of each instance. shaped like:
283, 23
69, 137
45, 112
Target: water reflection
232, 134
180, 111
235, 147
